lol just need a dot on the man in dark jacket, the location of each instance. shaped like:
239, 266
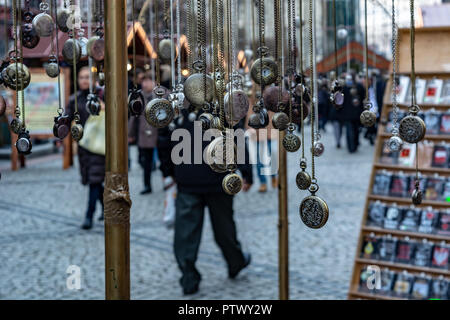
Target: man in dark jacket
198, 186
92, 166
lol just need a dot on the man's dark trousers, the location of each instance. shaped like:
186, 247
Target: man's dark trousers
190, 209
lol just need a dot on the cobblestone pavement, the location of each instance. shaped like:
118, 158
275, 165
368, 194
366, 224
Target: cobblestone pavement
42, 208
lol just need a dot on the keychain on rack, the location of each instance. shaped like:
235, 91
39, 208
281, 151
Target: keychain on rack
43, 22
159, 111
314, 211
395, 142
264, 69
337, 95
291, 142
412, 128
368, 118
29, 36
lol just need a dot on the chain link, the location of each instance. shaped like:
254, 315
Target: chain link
394, 71
312, 83
366, 52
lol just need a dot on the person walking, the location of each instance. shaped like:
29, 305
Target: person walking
198, 187
92, 165
144, 135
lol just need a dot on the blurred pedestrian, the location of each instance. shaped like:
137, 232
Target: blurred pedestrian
92, 165
324, 104
144, 135
264, 154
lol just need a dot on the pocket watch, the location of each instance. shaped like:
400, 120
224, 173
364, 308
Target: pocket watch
395, 143
219, 154
164, 49
318, 149
43, 24
206, 119
77, 132
412, 128
291, 142
159, 111
259, 119
264, 66
303, 180
16, 125
280, 121
93, 104
2, 106
96, 48
62, 19
9, 75
194, 90
314, 211
240, 105
61, 128
29, 36
271, 95
368, 118
23, 143
136, 102
232, 184
52, 67
337, 95
67, 51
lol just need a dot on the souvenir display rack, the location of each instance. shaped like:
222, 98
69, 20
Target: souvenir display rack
398, 277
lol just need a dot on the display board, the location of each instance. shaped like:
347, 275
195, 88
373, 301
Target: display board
403, 250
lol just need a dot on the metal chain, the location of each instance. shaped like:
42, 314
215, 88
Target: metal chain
262, 41
366, 51
312, 83
300, 12
61, 108
335, 39
157, 69
134, 45
190, 38
178, 40
201, 32
22, 92
230, 63
394, 71
221, 58
291, 68
14, 13
172, 47
413, 64
74, 70
277, 13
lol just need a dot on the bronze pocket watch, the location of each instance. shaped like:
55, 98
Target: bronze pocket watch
367, 117
259, 119
232, 184
77, 132
52, 67
96, 48
159, 111
16, 125
43, 24
412, 128
280, 121
220, 153
62, 19
93, 104
291, 142
270, 97
314, 211
29, 37
265, 67
240, 105
9, 76
194, 90
68, 51
23, 143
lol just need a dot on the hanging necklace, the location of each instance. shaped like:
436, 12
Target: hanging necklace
314, 211
395, 142
61, 127
291, 142
337, 95
412, 128
264, 71
159, 111
368, 117
303, 179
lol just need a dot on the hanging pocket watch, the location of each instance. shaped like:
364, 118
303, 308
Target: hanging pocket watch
9, 75
43, 22
318, 149
96, 48
219, 154
395, 143
206, 119
159, 111
337, 95
61, 127
29, 36
136, 102
93, 104
314, 211
240, 105
62, 19
16, 125
260, 118
232, 184
68, 51
52, 67
265, 67
412, 128
291, 142
2, 106
77, 132
280, 121
23, 143
271, 95
417, 195
194, 90
367, 117
303, 179
165, 48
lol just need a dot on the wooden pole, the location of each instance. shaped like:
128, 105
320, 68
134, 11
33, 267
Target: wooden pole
116, 197
283, 227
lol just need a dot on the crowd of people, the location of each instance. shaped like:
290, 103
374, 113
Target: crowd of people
194, 194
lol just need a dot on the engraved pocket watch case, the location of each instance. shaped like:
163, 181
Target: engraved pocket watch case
29, 36
269, 71
240, 105
194, 90
220, 154
395, 143
412, 129
318, 149
43, 24
68, 52
2, 106
77, 132
368, 118
280, 121
23, 143
52, 68
232, 184
93, 104
96, 49
206, 119
314, 212
291, 142
164, 49
62, 19
303, 180
159, 113
136, 102
9, 75
270, 97
16, 125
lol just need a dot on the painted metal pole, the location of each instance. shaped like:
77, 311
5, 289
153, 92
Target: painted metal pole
116, 197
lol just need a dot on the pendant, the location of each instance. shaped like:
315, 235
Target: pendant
206, 119
232, 184
52, 67
62, 19
417, 196
318, 149
265, 67
412, 129
136, 102
159, 112
291, 142
303, 180
101, 79
280, 121
165, 50
314, 211
96, 48
337, 96
194, 90
61, 128
43, 24
368, 118
68, 52
23, 143
77, 132
93, 104
29, 36
2, 106
10, 76
395, 143
16, 125
270, 97
240, 106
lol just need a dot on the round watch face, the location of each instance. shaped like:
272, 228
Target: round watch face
303, 180
159, 113
368, 118
395, 143
412, 129
291, 142
314, 212
232, 184
268, 68
23, 145
194, 90
43, 24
